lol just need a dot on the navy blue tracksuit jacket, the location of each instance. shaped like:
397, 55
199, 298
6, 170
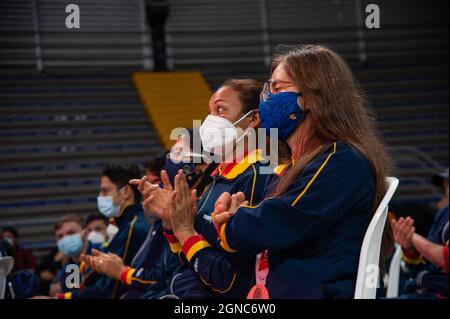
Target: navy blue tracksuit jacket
314, 231
214, 273
133, 228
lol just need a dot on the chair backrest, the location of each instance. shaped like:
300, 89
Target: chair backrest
368, 269
394, 273
6, 265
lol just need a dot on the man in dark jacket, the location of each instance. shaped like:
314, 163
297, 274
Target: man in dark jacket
120, 202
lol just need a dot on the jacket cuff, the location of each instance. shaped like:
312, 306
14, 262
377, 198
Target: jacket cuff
193, 245
412, 258
125, 276
64, 295
223, 239
174, 244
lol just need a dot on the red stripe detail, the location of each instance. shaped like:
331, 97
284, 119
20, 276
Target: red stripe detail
410, 254
191, 242
170, 238
123, 275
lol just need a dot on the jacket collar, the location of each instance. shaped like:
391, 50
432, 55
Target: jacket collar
233, 170
128, 214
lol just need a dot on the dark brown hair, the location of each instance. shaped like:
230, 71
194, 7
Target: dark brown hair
249, 92
335, 110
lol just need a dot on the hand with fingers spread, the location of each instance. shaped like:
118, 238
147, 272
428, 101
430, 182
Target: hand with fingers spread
226, 206
155, 197
403, 230
183, 209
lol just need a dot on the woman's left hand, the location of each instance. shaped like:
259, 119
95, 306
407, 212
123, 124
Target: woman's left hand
226, 206
183, 209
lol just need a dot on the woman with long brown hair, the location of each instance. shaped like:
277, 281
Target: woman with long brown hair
312, 222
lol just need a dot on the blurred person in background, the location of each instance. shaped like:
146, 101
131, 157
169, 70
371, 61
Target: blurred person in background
440, 180
23, 258
426, 258
150, 272
121, 203
154, 167
96, 226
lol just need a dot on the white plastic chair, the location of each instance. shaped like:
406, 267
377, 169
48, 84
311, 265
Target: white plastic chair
6, 265
368, 269
394, 273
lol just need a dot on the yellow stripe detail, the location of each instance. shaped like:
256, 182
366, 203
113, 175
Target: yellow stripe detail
218, 290
280, 168
239, 168
68, 295
127, 244
315, 176
223, 240
129, 275
145, 282
175, 247
130, 233
254, 183
413, 261
196, 248
82, 267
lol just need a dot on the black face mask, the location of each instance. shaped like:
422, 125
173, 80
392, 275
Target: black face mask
172, 169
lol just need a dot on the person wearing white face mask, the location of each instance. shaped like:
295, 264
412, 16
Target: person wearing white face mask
212, 274
96, 226
120, 202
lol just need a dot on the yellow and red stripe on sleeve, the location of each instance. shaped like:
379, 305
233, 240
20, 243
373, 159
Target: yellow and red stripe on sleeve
223, 239
64, 295
193, 245
174, 244
126, 274
412, 258
83, 267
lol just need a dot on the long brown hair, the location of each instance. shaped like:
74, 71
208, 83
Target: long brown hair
335, 110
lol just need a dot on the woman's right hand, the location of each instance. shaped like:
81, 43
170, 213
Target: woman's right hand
156, 199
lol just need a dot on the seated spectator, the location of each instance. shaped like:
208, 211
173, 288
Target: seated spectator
23, 258
427, 259
150, 272
95, 226
5, 248
48, 269
213, 273
120, 202
68, 232
441, 181
154, 167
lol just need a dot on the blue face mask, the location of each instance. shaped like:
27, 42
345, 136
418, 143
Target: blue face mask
70, 245
172, 169
106, 206
281, 111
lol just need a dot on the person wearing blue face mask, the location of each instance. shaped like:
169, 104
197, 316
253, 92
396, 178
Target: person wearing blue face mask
68, 232
120, 202
309, 229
